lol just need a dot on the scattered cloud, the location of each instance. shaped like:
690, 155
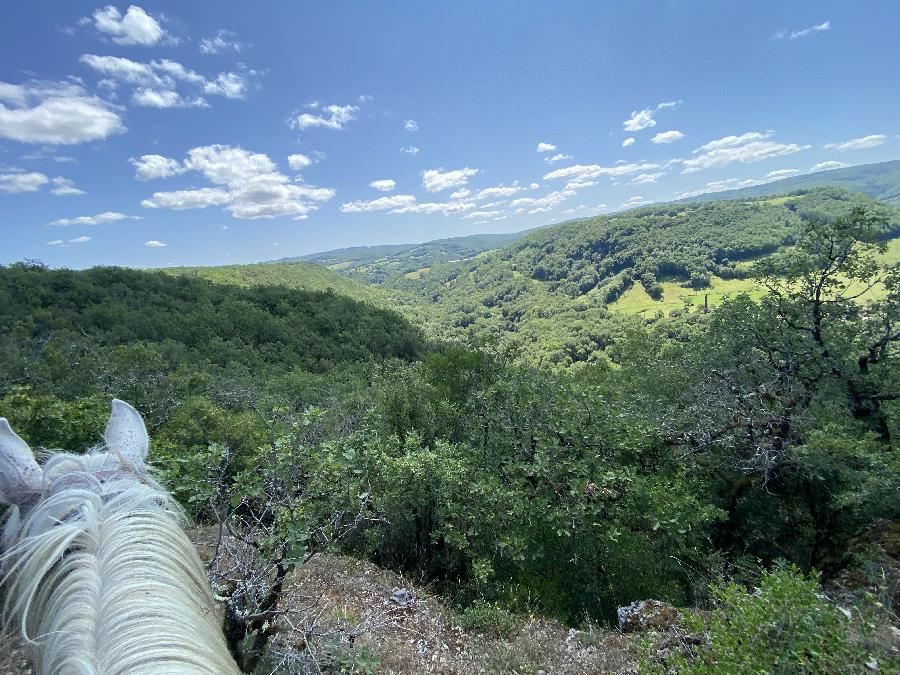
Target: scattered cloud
153, 243
380, 204
827, 166
495, 192
646, 178
737, 183
411, 125
584, 172
299, 161
64, 187
545, 147
793, 35
55, 113
436, 180
746, 148
559, 157
384, 185
863, 143
640, 119
135, 27
156, 82
668, 105
99, 219
65, 243
628, 142
634, 201
187, 199
409, 150
248, 184
22, 182
667, 137
16, 181
331, 117
223, 41
444, 208
150, 167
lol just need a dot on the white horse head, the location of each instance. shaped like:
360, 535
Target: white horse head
98, 573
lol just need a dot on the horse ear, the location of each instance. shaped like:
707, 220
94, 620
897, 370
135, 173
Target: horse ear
126, 434
20, 475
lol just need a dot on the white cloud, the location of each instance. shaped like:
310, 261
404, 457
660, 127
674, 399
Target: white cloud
70, 242
547, 202
384, 185
333, 117
462, 193
444, 208
436, 180
778, 174
229, 85
498, 191
409, 150
827, 166
545, 147
558, 157
299, 161
187, 199
483, 214
793, 35
667, 105
153, 243
223, 41
157, 81
252, 186
534, 186
584, 172
55, 113
640, 119
863, 143
63, 187
646, 178
580, 185
634, 201
135, 27
411, 125
22, 182
667, 137
380, 204
628, 141
16, 181
737, 183
150, 167
163, 98
746, 148
99, 219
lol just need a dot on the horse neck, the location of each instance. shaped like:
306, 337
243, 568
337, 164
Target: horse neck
103, 579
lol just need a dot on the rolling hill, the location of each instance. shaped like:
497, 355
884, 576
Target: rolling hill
303, 276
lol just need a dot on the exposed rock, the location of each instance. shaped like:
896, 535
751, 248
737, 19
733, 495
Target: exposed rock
647, 615
403, 597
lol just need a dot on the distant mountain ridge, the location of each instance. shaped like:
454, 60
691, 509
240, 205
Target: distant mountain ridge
880, 181
374, 264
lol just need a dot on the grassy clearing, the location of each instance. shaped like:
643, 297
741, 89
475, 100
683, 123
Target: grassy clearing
675, 296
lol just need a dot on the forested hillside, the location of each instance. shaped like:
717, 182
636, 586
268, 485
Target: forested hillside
561, 294
298, 275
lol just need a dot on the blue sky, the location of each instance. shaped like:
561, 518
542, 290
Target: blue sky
215, 132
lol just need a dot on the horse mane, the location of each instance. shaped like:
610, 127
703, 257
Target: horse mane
101, 578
